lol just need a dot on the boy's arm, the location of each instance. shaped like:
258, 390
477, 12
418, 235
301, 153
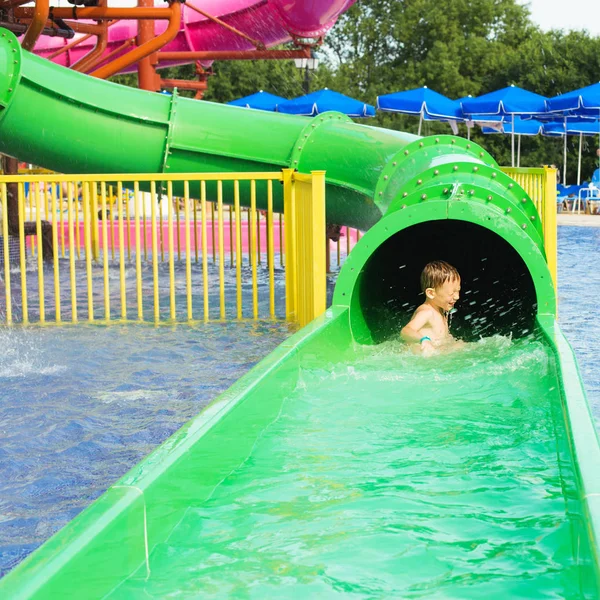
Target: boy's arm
411, 332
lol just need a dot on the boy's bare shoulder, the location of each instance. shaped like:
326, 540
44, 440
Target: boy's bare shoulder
424, 308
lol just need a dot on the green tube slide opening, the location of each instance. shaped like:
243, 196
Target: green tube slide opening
460, 215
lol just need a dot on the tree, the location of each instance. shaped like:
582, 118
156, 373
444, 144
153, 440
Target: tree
459, 47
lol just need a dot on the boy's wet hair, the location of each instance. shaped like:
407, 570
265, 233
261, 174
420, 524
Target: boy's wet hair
436, 273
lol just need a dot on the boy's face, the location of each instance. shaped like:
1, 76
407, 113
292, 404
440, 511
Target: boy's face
445, 296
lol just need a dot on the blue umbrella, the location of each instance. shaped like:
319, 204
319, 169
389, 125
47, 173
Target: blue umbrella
581, 127
261, 101
559, 122
519, 127
573, 126
489, 122
468, 122
424, 102
508, 101
323, 100
584, 101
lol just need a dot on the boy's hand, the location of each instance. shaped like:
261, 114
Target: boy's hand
427, 348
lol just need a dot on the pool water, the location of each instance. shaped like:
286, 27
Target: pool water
115, 310
384, 477
79, 406
578, 303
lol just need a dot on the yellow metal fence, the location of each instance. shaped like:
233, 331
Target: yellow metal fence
159, 248
183, 247
540, 185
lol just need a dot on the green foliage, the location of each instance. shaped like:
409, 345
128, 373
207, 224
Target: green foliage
460, 47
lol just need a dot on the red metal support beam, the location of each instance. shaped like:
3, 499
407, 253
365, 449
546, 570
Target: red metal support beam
99, 13
69, 46
147, 77
145, 49
234, 55
41, 10
87, 28
102, 59
183, 84
92, 57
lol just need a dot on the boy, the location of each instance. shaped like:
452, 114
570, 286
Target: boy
428, 327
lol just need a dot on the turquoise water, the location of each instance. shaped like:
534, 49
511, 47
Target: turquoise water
386, 476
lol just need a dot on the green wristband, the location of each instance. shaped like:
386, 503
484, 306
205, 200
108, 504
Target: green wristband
425, 337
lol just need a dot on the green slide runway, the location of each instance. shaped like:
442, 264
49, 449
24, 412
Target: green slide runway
341, 465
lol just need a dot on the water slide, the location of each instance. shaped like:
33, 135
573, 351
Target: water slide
271, 22
342, 465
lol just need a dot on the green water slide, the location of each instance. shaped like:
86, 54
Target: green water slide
341, 465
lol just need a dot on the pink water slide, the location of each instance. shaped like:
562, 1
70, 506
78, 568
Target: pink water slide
270, 21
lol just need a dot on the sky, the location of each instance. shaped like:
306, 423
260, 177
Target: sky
566, 14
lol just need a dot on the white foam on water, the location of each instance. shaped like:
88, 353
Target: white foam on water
23, 356
128, 396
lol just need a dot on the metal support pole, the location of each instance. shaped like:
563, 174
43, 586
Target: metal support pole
579, 160
306, 80
512, 142
147, 78
564, 181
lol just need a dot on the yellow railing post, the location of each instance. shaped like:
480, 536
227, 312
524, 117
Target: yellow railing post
172, 304
238, 248
306, 271
153, 204
55, 252
540, 185
289, 214
94, 222
316, 272
40, 254
188, 257
221, 247
252, 248
6, 249
105, 253
549, 221
122, 255
87, 224
204, 250
270, 251
23, 254
138, 250
72, 250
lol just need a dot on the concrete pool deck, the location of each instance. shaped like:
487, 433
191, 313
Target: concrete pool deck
578, 220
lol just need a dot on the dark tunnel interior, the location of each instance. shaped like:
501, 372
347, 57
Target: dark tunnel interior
497, 291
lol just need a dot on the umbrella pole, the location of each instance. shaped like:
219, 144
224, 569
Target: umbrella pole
565, 156
512, 142
468, 132
420, 122
579, 160
518, 151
